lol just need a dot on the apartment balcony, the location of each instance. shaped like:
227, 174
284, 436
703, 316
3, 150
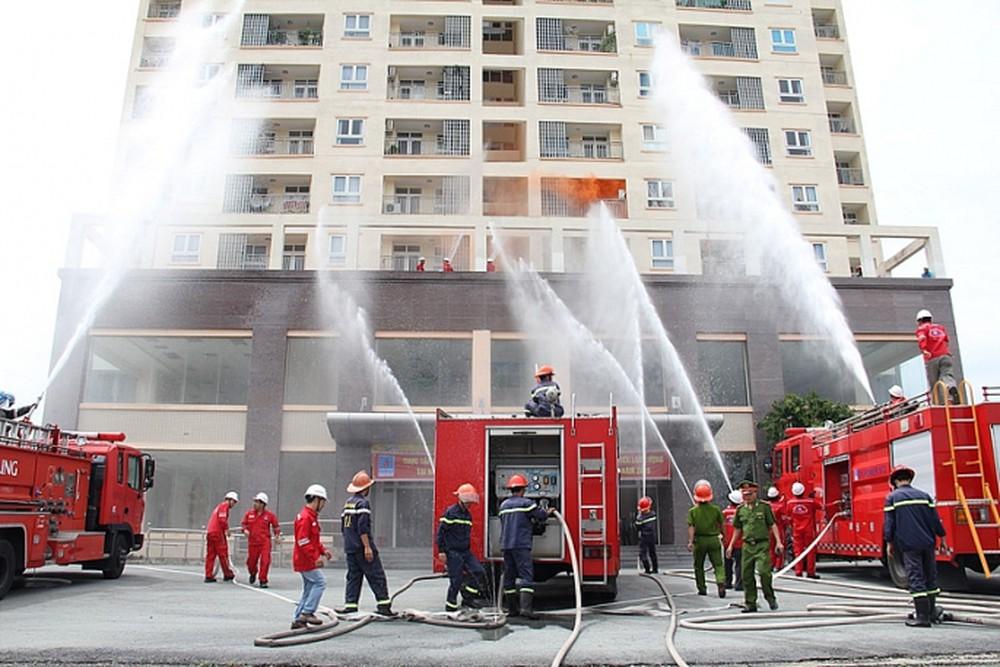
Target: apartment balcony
825, 24
164, 9
573, 35
503, 87
505, 196
554, 2
503, 36
426, 138
156, 52
709, 41
425, 195
402, 252
579, 141
263, 194
430, 32
833, 70
244, 252
855, 214
849, 169
740, 93
504, 141
273, 137
841, 122
586, 87
278, 82
444, 84
282, 30
574, 197
729, 5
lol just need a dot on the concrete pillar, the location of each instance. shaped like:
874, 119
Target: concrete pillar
935, 255
481, 354
277, 247
868, 266
262, 449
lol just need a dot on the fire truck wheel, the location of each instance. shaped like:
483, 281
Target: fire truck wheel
114, 565
608, 592
7, 566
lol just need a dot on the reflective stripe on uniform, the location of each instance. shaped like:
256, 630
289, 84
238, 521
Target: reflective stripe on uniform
507, 591
382, 601
524, 589
363, 510
474, 591
915, 501
641, 522
451, 605
304, 541
529, 508
455, 521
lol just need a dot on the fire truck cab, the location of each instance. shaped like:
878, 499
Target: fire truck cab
952, 448
571, 465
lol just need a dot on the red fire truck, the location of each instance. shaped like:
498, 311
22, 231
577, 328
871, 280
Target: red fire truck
68, 498
571, 464
952, 448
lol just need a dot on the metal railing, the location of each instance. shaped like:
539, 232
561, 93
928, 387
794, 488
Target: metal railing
581, 95
181, 545
585, 150
827, 31
278, 90
429, 40
850, 176
841, 126
269, 146
432, 90
563, 208
264, 204
585, 43
743, 5
168, 9
581, 2
154, 60
427, 147
711, 49
833, 77
294, 38
420, 205
731, 98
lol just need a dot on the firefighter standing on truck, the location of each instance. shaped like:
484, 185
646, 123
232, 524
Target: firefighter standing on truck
734, 577
12, 412
309, 556
933, 341
544, 399
258, 524
516, 516
802, 512
912, 526
645, 522
465, 572
705, 522
216, 539
754, 523
360, 551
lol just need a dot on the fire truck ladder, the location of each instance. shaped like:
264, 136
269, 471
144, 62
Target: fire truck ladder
965, 396
593, 517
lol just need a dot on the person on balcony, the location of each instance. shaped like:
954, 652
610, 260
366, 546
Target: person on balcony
446, 266
421, 265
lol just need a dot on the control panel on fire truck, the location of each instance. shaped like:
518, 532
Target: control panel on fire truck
543, 481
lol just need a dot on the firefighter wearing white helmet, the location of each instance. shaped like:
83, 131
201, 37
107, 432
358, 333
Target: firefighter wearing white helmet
933, 341
798, 488
308, 556
803, 512
258, 524
896, 395
777, 502
217, 539
734, 559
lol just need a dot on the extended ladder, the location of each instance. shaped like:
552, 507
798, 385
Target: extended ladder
593, 515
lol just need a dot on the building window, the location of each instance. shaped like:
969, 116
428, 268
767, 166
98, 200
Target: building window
654, 137
212, 19
798, 143
659, 194
293, 257
306, 89
338, 250
311, 371
760, 139
722, 373
805, 199
819, 252
790, 90
346, 189
783, 41
661, 253
645, 33
511, 367
432, 372
357, 25
184, 370
187, 249
645, 84
350, 131
354, 77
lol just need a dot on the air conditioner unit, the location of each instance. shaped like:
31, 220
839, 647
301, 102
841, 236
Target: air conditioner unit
613, 80
389, 124
390, 207
621, 194
392, 72
610, 29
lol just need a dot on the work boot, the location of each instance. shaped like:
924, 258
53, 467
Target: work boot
253, 579
922, 617
472, 603
935, 612
210, 580
311, 619
348, 608
298, 624
229, 578
385, 610
702, 592
510, 605
813, 576
722, 590
263, 584
749, 610
527, 605
953, 393
773, 604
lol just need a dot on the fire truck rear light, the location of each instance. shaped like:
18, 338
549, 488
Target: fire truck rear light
594, 552
980, 515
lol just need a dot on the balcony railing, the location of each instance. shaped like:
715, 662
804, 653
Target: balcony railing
279, 90
154, 60
581, 2
164, 10
429, 40
581, 95
430, 91
841, 126
584, 150
731, 98
422, 205
743, 5
269, 146
294, 38
562, 208
506, 208
709, 49
827, 31
585, 43
850, 176
292, 204
409, 148
833, 77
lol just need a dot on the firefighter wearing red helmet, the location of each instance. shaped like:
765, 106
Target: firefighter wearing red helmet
803, 511
454, 550
362, 556
544, 399
705, 524
516, 535
645, 523
912, 526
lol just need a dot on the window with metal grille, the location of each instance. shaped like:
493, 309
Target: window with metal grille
549, 34
186, 249
798, 143
750, 91
744, 43
354, 77
790, 90
455, 82
659, 194
761, 141
350, 131
551, 85
661, 253
249, 80
455, 137
255, 29
783, 40
552, 139
239, 189
805, 198
357, 25
346, 189
457, 32
453, 196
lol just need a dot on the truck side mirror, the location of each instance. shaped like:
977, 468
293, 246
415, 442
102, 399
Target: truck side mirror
149, 473
767, 466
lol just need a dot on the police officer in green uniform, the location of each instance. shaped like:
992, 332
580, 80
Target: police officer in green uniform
705, 523
754, 520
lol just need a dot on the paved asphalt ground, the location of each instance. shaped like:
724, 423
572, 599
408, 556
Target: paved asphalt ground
165, 615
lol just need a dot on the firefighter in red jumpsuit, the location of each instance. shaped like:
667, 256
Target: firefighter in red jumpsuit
446, 266
933, 341
491, 266
421, 265
777, 503
802, 511
734, 564
216, 535
258, 524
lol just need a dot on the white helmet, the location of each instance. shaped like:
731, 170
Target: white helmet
798, 488
262, 497
232, 495
896, 391
772, 492
735, 497
924, 314
317, 490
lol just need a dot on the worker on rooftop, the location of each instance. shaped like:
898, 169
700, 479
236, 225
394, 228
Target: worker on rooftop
544, 400
933, 341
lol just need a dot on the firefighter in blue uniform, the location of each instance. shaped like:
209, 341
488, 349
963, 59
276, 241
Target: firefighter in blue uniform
645, 522
453, 540
544, 400
360, 551
516, 516
912, 526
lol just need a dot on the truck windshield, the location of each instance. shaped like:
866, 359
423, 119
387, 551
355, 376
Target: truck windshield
795, 459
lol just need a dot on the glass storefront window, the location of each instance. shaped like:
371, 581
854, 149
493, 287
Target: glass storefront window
311, 376
722, 373
296, 471
431, 371
511, 369
188, 487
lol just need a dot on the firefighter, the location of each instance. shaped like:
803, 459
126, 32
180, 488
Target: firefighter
216, 539
896, 395
734, 577
802, 513
446, 266
777, 503
933, 341
421, 265
454, 550
258, 524
7, 409
363, 561
308, 556
491, 266
544, 400
912, 526
754, 523
705, 524
645, 523
517, 515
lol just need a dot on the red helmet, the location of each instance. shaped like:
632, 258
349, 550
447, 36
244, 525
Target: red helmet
702, 491
544, 369
517, 482
467, 493
645, 503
